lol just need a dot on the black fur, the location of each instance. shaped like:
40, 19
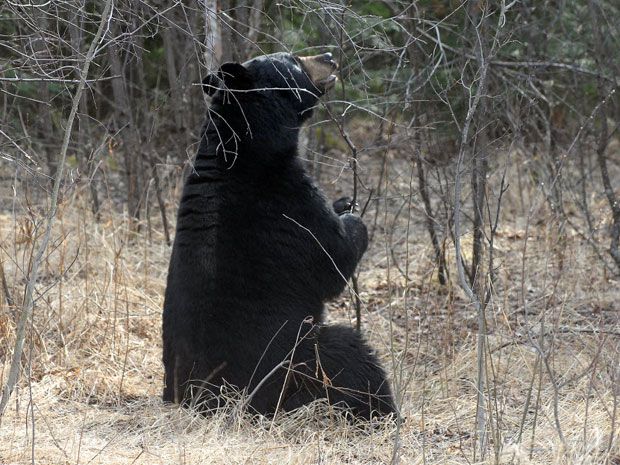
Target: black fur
257, 251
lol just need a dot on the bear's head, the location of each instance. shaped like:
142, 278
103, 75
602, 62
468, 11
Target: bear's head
301, 79
259, 105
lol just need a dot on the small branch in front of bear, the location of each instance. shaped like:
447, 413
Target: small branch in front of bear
352, 158
358, 303
353, 165
372, 191
246, 402
354, 286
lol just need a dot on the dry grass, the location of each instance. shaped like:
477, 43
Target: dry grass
92, 370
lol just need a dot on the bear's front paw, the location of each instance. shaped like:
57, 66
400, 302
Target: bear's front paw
344, 205
357, 232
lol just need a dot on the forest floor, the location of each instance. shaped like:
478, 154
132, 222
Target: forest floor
90, 393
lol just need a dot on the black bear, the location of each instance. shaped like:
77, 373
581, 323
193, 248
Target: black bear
258, 250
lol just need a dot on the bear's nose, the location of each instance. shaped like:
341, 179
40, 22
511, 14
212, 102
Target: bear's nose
328, 59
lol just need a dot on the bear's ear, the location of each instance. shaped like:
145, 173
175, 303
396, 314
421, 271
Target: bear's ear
232, 76
235, 76
211, 84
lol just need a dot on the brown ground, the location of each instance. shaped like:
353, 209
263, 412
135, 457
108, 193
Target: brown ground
92, 370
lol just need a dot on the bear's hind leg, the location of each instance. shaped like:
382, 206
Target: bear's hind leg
346, 372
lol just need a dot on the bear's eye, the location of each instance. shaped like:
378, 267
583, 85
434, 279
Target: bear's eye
296, 64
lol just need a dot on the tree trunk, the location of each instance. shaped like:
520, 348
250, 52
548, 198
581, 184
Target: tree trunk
213, 36
124, 123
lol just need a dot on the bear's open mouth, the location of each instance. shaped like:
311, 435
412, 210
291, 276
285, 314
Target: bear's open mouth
320, 69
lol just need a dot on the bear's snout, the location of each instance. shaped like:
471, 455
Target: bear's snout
320, 69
